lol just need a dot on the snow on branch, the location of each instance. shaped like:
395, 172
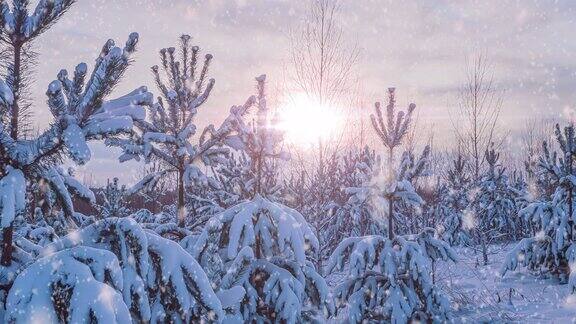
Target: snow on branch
160, 281
20, 26
389, 279
80, 116
89, 279
12, 195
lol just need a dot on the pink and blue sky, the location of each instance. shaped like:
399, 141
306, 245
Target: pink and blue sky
417, 46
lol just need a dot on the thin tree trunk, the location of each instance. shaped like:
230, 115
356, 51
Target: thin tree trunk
181, 207
570, 187
7, 233
391, 196
433, 272
484, 250
390, 218
7, 246
258, 186
16, 92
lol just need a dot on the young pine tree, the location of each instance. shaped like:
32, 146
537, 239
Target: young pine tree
356, 212
167, 135
77, 106
114, 200
261, 246
493, 206
389, 277
457, 222
552, 248
391, 130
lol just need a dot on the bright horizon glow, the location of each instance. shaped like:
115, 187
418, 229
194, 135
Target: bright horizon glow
306, 122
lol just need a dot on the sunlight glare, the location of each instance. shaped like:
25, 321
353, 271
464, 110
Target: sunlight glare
305, 121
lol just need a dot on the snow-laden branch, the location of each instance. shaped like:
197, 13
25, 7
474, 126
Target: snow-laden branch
80, 117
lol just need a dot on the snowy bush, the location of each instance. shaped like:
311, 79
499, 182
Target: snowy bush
456, 219
389, 280
156, 279
76, 285
552, 249
267, 249
113, 200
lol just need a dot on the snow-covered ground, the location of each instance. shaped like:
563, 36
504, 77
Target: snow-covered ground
480, 294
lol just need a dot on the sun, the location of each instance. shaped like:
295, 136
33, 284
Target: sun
306, 122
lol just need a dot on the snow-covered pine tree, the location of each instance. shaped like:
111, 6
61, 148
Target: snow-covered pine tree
261, 141
323, 199
167, 135
457, 220
552, 248
520, 191
493, 206
90, 279
77, 105
113, 271
113, 198
235, 179
414, 219
230, 183
357, 213
540, 183
391, 130
263, 246
408, 207
389, 277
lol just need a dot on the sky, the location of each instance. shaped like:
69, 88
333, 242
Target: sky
419, 47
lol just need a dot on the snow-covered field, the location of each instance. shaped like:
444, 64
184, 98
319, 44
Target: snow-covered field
481, 294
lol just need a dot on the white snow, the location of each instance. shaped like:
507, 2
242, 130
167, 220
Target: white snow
480, 294
74, 139
292, 231
12, 196
93, 275
6, 96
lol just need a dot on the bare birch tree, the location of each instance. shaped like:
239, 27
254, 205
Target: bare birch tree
478, 111
321, 61
321, 66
